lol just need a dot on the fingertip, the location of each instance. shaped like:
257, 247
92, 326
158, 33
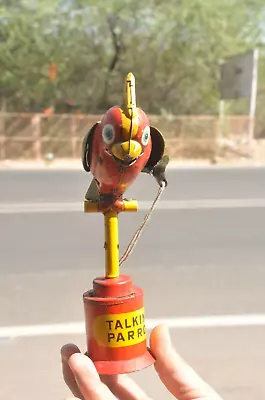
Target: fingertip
81, 363
68, 350
163, 330
176, 374
79, 360
87, 377
160, 340
162, 348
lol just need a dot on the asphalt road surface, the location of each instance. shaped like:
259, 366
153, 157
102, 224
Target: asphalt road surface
201, 254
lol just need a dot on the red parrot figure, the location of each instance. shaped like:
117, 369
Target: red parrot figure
120, 146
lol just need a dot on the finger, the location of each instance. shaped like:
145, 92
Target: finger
87, 378
178, 377
72, 398
124, 388
66, 352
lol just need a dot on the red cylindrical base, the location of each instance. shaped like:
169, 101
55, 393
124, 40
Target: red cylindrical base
115, 326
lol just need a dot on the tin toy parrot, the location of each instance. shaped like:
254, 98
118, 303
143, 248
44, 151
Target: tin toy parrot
120, 146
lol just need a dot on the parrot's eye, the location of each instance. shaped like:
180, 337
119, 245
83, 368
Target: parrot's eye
108, 134
146, 135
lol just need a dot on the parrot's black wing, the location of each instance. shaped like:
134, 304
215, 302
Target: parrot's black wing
157, 162
86, 147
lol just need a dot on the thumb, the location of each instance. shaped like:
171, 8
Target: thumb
178, 377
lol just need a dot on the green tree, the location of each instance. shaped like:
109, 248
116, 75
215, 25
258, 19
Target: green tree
173, 47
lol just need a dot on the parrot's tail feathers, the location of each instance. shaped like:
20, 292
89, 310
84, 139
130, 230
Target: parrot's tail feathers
92, 193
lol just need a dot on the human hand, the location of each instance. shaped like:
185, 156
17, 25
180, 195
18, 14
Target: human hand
179, 378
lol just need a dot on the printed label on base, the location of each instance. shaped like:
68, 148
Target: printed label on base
120, 330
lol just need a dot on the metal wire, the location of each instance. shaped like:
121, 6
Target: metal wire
137, 234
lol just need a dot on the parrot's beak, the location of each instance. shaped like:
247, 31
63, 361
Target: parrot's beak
127, 152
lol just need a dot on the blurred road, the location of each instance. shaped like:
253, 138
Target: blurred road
202, 253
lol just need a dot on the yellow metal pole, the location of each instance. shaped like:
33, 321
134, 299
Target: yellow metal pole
111, 244
112, 264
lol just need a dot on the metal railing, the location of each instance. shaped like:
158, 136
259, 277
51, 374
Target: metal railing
33, 136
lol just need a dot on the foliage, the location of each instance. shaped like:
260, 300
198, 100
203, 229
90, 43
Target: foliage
173, 47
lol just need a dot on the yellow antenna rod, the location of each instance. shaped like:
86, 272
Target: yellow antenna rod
111, 245
129, 106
